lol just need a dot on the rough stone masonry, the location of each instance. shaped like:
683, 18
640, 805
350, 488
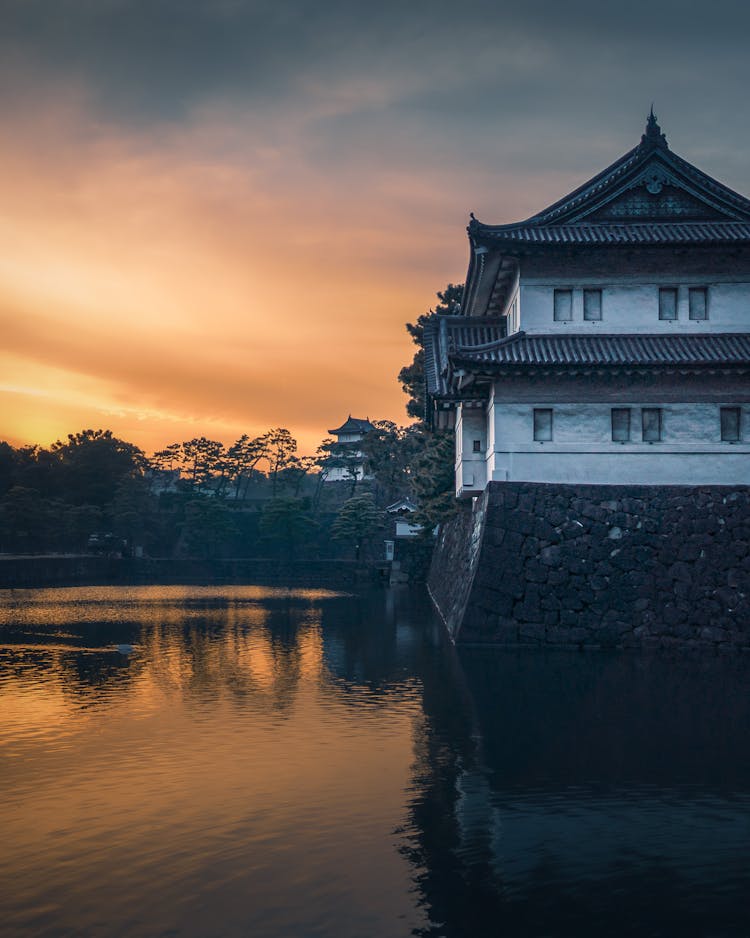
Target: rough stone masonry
589, 566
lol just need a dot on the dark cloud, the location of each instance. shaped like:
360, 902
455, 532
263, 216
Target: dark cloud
227, 165
158, 58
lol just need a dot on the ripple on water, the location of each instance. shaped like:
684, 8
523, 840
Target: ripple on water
302, 763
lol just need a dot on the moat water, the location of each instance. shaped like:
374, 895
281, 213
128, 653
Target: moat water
262, 763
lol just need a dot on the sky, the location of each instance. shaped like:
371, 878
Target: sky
216, 217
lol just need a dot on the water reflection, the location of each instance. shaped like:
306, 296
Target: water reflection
605, 794
273, 763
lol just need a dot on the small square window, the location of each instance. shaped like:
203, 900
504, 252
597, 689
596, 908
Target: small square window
542, 424
592, 305
620, 424
477, 446
651, 424
730, 424
697, 301
563, 300
668, 303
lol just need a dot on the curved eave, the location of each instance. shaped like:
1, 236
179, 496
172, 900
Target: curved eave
496, 369
513, 239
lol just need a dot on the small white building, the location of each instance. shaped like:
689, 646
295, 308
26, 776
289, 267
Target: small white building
606, 339
346, 462
400, 512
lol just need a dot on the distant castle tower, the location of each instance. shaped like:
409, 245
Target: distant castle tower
347, 460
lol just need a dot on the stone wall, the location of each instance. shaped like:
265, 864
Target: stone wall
598, 566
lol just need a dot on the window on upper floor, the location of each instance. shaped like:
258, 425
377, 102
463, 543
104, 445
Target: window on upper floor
698, 303
592, 305
730, 424
651, 424
542, 424
563, 305
668, 303
620, 424
477, 446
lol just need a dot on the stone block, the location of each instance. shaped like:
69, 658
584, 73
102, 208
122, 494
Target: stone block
592, 511
550, 600
521, 522
570, 601
528, 612
506, 632
551, 556
557, 578
536, 572
681, 571
711, 634
572, 529
526, 502
530, 547
512, 541
529, 631
607, 636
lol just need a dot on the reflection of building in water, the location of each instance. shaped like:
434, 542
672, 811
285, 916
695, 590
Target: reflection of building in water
575, 786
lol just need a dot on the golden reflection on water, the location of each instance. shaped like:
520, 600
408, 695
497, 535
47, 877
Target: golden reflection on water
223, 747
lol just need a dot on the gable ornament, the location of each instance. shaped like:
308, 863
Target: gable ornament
655, 181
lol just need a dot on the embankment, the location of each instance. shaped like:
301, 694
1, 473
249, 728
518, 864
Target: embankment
598, 566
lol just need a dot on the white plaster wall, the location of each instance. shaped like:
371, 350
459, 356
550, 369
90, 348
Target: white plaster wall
471, 467
339, 474
630, 468
631, 306
404, 529
582, 450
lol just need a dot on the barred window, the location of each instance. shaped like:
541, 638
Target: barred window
651, 424
697, 303
563, 300
668, 303
542, 424
592, 305
730, 424
620, 424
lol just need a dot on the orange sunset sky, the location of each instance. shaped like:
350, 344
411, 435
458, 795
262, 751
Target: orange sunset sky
216, 218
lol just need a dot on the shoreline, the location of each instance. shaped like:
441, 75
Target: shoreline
50, 570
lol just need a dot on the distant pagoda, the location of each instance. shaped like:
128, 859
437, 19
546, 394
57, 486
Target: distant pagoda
347, 459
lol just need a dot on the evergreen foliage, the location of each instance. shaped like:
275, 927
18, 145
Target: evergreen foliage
412, 376
287, 523
204, 499
358, 520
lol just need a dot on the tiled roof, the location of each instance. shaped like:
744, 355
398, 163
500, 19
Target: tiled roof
644, 233
667, 349
353, 425
444, 335
652, 155
649, 197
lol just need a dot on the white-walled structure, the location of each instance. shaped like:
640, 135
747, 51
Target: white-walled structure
605, 340
346, 460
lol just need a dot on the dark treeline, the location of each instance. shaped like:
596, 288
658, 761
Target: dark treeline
94, 492
255, 498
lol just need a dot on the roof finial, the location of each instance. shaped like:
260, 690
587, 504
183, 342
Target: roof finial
653, 136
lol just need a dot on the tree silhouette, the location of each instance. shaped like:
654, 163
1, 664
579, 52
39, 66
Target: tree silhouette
357, 521
411, 376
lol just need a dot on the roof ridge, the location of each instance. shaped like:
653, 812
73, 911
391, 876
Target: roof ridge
652, 147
